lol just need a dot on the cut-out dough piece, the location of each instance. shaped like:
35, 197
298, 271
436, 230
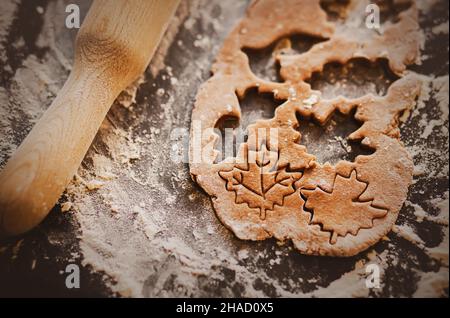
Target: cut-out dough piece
256, 207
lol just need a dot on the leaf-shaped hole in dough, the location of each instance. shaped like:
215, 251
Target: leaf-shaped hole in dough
233, 132
329, 142
264, 63
356, 78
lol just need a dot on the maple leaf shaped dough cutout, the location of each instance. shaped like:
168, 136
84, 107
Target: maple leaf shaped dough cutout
258, 183
340, 212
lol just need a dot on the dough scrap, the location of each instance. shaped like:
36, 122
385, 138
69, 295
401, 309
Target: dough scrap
274, 187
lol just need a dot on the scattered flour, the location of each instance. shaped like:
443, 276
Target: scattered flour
131, 236
432, 284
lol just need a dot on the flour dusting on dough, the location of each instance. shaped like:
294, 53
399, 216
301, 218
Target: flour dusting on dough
128, 218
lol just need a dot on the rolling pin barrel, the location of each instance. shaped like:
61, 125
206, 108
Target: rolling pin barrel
113, 47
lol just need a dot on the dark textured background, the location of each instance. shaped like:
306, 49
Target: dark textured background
18, 279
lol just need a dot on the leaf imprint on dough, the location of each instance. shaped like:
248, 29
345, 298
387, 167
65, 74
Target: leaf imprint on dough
258, 183
340, 212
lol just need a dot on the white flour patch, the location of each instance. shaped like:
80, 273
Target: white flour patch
128, 206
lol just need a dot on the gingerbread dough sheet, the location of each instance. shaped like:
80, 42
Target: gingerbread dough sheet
273, 187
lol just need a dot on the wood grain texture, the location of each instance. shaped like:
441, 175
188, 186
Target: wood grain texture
113, 47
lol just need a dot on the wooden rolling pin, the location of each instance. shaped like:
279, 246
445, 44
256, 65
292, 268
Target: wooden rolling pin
113, 47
